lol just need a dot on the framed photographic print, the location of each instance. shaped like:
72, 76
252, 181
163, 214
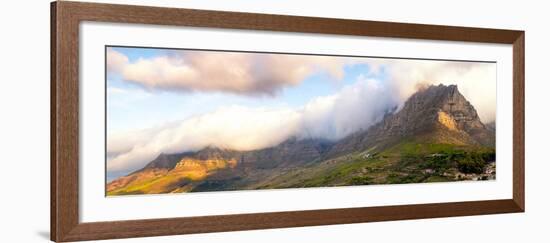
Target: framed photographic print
176, 121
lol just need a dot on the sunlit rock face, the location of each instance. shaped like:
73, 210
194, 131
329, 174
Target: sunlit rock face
446, 120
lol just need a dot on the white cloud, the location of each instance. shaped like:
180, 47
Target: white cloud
241, 73
230, 127
355, 107
267, 74
115, 60
333, 117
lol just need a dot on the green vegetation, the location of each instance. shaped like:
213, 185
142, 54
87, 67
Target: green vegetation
394, 178
471, 163
406, 162
361, 180
468, 159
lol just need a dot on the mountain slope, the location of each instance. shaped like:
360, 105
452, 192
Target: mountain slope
436, 136
186, 171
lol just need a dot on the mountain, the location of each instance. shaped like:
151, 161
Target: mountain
164, 161
438, 114
169, 172
437, 129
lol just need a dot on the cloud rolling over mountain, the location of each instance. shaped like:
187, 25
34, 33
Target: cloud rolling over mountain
353, 107
332, 117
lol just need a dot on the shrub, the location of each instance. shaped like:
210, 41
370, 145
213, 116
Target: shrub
408, 178
471, 164
361, 180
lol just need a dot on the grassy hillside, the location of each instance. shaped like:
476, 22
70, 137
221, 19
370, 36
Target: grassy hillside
409, 161
182, 178
405, 162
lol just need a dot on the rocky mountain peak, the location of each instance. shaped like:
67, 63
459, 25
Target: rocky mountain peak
438, 112
431, 106
454, 111
163, 161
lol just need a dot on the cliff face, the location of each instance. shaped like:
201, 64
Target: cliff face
164, 161
427, 110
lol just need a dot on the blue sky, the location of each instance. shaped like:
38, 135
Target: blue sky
130, 106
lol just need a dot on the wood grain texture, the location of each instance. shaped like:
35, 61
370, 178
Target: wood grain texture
53, 119
66, 138
158, 227
519, 121
250, 21
65, 19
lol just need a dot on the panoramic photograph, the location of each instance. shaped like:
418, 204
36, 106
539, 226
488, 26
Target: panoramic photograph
184, 120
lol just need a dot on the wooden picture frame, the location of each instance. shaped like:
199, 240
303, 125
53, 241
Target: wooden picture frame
65, 19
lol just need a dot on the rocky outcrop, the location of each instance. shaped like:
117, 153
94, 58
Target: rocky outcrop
164, 161
426, 110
